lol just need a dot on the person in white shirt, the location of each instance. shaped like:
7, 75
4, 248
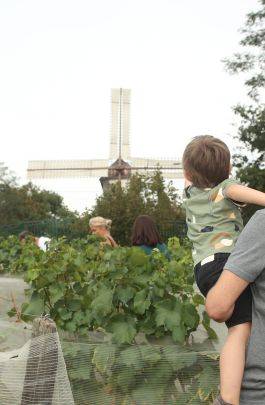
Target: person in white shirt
42, 242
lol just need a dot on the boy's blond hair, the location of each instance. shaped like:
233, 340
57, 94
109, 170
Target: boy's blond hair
206, 161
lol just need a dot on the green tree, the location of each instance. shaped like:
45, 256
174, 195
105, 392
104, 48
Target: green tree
7, 176
251, 131
142, 195
112, 204
29, 203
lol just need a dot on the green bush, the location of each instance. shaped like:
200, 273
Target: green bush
17, 258
85, 285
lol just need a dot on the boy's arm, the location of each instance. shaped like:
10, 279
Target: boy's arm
240, 193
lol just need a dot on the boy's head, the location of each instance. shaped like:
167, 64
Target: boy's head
206, 161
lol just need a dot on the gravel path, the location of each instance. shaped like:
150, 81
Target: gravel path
12, 334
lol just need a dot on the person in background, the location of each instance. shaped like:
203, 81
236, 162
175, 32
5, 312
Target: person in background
42, 242
101, 227
146, 236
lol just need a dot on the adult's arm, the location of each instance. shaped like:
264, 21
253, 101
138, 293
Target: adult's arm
244, 265
221, 298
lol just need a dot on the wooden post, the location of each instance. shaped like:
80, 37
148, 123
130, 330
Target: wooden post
42, 363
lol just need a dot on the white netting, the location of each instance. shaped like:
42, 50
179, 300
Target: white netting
106, 374
35, 374
96, 372
47, 372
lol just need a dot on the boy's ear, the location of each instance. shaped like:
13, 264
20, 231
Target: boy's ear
188, 182
186, 175
230, 168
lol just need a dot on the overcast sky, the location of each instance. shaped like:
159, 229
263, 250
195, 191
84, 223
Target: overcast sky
59, 60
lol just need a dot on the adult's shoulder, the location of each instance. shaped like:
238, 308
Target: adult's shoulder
247, 260
260, 214
256, 221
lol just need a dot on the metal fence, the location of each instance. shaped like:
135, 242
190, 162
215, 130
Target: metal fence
69, 227
51, 227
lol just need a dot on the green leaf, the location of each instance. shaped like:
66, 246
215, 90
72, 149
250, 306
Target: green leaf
125, 379
125, 294
160, 292
205, 318
138, 257
141, 303
74, 305
123, 329
208, 382
179, 334
80, 372
150, 355
104, 357
56, 293
198, 299
206, 323
35, 307
173, 243
190, 316
178, 358
70, 326
211, 333
131, 357
147, 325
148, 394
102, 304
79, 318
168, 313
65, 314
154, 386
12, 312
32, 274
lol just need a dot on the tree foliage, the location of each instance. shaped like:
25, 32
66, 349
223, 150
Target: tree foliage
251, 131
27, 202
144, 194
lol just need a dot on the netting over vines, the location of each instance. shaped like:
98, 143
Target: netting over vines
140, 374
35, 374
46, 372
127, 322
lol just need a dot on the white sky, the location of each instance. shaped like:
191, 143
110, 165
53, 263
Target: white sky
59, 60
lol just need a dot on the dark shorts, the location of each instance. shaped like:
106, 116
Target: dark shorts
207, 275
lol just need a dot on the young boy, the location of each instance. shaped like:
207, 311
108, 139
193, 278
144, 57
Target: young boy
212, 201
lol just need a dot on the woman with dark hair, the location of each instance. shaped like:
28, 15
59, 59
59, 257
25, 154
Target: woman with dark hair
146, 236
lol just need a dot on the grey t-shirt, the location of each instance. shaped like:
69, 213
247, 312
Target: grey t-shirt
248, 262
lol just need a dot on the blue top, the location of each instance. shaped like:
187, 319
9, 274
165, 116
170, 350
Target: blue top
160, 246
